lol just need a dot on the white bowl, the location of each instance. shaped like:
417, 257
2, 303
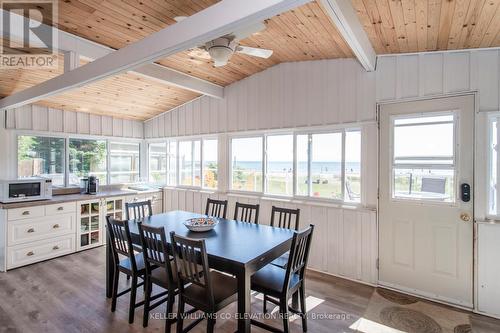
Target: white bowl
201, 224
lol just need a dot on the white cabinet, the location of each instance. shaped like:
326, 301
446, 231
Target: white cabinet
155, 197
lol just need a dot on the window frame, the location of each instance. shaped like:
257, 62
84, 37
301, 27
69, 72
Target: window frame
491, 118
295, 133
454, 166
66, 137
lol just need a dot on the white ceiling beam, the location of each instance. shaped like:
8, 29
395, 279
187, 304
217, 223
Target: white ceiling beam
344, 16
219, 19
89, 50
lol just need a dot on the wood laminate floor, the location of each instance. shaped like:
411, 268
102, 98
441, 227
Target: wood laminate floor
67, 295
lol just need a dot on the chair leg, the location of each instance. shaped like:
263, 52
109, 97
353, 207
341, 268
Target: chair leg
170, 308
284, 313
264, 307
128, 277
147, 299
133, 291
180, 315
295, 300
211, 323
303, 307
115, 290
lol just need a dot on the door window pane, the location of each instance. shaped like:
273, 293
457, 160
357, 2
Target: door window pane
124, 162
492, 189
186, 163
353, 166
246, 157
279, 168
423, 161
172, 163
158, 163
210, 166
326, 165
302, 164
41, 156
87, 157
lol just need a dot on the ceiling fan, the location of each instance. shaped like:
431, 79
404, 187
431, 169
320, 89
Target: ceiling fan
222, 48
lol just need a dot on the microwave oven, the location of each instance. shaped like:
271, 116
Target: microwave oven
25, 189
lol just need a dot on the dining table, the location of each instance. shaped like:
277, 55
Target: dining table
238, 248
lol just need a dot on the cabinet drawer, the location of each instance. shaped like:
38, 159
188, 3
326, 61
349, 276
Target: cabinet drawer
21, 255
155, 197
63, 208
23, 231
25, 213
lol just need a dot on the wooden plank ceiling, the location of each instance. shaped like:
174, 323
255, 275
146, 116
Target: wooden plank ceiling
399, 26
305, 33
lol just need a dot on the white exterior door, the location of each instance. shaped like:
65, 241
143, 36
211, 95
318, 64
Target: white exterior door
425, 217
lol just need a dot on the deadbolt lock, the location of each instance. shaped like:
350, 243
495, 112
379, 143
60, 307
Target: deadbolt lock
465, 217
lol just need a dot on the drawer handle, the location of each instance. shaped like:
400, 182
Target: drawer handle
60, 208
31, 253
30, 230
55, 247
55, 226
26, 212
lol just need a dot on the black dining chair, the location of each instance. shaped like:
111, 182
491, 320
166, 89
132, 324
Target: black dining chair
205, 290
284, 218
132, 264
159, 271
246, 212
216, 208
279, 285
139, 210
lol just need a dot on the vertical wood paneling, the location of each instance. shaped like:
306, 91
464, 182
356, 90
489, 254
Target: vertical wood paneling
205, 115
386, 78
407, 76
138, 129
95, 124
174, 123
83, 123
10, 121
107, 125
40, 118
213, 114
128, 130
332, 97
118, 127
456, 72
431, 74
347, 95
56, 120
222, 115
252, 103
196, 116
161, 125
188, 110
181, 119
24, 118
276, 100
487, 73
168, 124
70, 122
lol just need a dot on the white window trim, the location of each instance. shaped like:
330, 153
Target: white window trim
309, 132
67, 137
493, 116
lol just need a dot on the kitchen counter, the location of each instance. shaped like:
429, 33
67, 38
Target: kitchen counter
76, 197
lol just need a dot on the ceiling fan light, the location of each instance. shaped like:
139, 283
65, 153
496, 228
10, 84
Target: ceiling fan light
220, 55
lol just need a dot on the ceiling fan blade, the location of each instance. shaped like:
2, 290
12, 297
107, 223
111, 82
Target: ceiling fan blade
245, 32
253, 51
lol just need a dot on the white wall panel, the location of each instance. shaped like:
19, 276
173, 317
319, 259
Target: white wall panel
95, 124
56, 120
205, 115
386, 78
161, 125
83, 123
70, 122
407, 80
431, 74
188, 110
118, 127
128, 130
107, 125
10, 121
456, 72
181, 119
40, 118
24, 118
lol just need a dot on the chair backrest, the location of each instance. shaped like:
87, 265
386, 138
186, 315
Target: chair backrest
120, 240
434, 185
155, 249
139, 210
285, 218
191, 263
216, 208
299, 254
246, 213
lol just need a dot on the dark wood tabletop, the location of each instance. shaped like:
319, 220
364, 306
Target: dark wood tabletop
235, 247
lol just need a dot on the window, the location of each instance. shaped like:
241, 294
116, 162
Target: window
352, 166
279, 164
41, 156
493, 197
326, 166
424, 157
87, 157
210, 166
172, 163
158, 163
246, 157
190, 163
302, 166
124, 162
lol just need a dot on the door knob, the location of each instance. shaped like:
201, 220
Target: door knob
465, 217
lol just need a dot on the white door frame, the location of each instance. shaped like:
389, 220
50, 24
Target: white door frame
477, 194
